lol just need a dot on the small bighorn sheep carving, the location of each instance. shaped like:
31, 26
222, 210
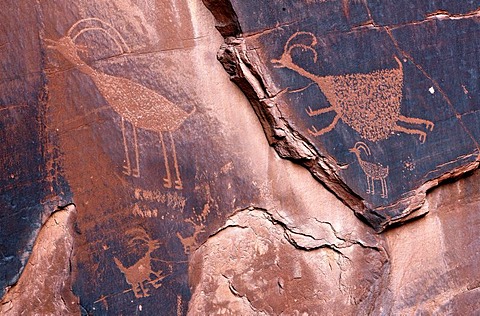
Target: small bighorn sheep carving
373, 171
190, 242
367, 102
140, 273
135, 103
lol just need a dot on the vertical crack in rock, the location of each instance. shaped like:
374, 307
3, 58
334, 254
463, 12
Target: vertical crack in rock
44, 286
226, 18
257, 264
286, 140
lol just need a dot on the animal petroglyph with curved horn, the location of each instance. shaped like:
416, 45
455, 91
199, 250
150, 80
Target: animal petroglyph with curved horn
367, 102
140, 273
141, 106
373, 171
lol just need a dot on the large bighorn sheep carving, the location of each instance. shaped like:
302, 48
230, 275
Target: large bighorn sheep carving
367, 102
141, 106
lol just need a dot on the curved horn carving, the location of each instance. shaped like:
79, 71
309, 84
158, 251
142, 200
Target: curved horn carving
287, 48
96, 24
362, 145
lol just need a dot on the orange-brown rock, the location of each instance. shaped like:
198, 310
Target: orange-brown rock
181, 205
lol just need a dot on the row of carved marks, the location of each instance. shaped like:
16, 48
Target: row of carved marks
369, 103
140, 106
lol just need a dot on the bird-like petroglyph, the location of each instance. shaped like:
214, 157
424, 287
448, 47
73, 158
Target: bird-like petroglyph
142, 107
367, 102
373, 171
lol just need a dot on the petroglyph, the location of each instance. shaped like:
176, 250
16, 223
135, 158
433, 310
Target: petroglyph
367, 102
179, 305
169, 199
198, 223
191, 241
144, 212
141, 106
139, 275
373, 171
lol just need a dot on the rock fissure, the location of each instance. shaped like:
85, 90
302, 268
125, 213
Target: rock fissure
253, 78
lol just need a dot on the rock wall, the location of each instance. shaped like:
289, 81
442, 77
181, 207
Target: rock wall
138, 178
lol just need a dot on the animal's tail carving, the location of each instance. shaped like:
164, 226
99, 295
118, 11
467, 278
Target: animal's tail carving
120, 265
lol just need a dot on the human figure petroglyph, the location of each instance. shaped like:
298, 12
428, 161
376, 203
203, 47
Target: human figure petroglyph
367, 102
141, 106
373, 171
140, 273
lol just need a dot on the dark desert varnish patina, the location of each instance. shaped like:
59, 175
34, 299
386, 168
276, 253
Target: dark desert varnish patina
326, 76
104, 110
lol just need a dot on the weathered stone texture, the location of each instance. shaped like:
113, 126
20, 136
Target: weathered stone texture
433, 260
181, 205
363, 99
258, 265
44, 287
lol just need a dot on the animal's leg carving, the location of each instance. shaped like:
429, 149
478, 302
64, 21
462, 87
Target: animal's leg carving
168, 179
412, 120
384, 188
369, 185
136, 172
127, 167
156, 283
143, 290
316, 132
422, 136
178, 181
311, 112
137, 291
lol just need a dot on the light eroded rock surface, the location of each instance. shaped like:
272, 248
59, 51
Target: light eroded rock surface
44, 287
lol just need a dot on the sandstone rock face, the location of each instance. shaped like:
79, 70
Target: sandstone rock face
259, 265
138, 179
359, 96
45, 285
30, 185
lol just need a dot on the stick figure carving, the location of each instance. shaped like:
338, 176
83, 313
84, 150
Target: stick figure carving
141, 106
373, 171
140, 273
369, 103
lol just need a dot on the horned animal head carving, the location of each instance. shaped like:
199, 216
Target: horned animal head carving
286, 58
140, 235
67, 45
358, 146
